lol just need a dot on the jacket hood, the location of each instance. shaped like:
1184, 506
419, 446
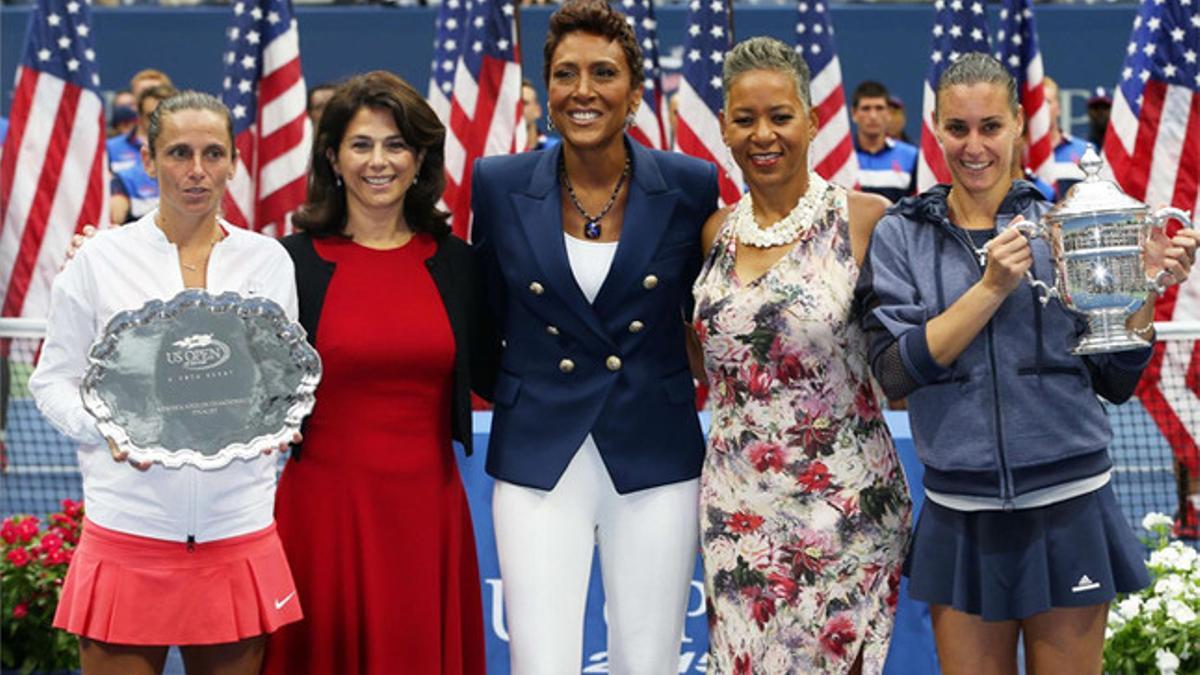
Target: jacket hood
930, 206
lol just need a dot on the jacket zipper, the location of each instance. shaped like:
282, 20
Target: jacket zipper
1005, 487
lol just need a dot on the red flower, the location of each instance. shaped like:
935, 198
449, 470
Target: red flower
743, 522
866, 405
814, 433
72, 508
19, 557
701, 330
815, 478
27, 529
837, 634
763, 610
893, 596
790, 369
758, 381
765, 456
9, 531
784, 587
58, 557
50, 542
741, 665
20, 611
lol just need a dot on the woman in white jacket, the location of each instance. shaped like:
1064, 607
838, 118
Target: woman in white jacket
168, 556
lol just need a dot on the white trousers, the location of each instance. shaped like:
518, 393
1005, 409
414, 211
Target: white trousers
648, 541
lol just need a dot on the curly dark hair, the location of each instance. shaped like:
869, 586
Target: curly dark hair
595, 17
324, 212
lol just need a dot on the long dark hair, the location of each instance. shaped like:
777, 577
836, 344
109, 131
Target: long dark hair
324, 212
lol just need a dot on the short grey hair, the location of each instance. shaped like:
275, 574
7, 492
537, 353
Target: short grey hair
978, 68
187, 100
766, 53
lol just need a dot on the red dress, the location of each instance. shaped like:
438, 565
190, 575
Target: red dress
373, 516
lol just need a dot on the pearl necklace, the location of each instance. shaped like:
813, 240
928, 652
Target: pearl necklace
787, 229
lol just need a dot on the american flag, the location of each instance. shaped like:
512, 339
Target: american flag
485, 109
832, 150
698, 131
264, 89
650, 129
1153, 148
56, 138
1018, 51
959, 27
447, 36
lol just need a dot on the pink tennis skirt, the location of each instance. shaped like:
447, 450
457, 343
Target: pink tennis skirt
126, 589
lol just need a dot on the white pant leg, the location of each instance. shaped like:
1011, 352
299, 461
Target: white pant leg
544, 542
648, 543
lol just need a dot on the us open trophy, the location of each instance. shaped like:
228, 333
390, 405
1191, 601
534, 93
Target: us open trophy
200, 379
1097, 236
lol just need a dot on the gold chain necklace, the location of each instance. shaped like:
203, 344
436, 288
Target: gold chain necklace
211, 245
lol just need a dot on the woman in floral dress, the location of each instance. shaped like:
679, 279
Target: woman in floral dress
804, 510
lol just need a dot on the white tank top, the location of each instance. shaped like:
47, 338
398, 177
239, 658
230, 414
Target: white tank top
590, 262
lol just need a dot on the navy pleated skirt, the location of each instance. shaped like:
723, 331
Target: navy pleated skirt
1010, 565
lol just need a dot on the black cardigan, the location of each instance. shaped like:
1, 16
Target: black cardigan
452, 273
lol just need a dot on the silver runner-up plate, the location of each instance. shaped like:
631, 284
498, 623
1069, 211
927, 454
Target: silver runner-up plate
201, 379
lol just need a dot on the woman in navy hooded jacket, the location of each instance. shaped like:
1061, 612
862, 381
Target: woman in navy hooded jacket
1021, 531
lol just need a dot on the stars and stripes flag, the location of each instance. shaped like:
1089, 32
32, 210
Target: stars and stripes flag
832, 150
264, 89
1153, 149
447, 35
485, 108
698, 130
52, 170
650, 128
1018, 51
959, 27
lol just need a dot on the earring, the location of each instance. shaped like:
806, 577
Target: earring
630, 119
338, 178
414, 180
549, 123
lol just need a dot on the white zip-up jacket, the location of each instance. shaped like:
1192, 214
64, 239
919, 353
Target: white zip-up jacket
122, 269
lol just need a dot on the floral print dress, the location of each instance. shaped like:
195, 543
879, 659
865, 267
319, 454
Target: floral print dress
804, 512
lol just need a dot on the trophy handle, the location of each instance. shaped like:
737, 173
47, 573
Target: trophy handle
1035, 231
1158, 220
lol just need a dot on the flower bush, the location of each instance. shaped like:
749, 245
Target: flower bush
1157, 630
32, 570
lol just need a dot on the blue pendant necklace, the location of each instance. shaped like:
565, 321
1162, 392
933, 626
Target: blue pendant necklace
591, 224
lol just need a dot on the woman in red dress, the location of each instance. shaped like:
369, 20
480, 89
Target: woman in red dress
371, 508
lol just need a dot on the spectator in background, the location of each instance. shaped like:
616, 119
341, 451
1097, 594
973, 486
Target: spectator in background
1099, 107
898, 119
146, 78
125, 151
886, 166
318, 96
124, 113
536, 140
1064, 171
135, 192
1022, 172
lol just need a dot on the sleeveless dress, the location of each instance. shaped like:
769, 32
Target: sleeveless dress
373, 515
804, 512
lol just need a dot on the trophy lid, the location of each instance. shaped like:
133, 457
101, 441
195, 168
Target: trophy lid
1094, 194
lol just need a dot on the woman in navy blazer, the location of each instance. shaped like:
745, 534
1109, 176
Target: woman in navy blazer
587, 252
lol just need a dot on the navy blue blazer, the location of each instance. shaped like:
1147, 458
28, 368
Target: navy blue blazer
618, 368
